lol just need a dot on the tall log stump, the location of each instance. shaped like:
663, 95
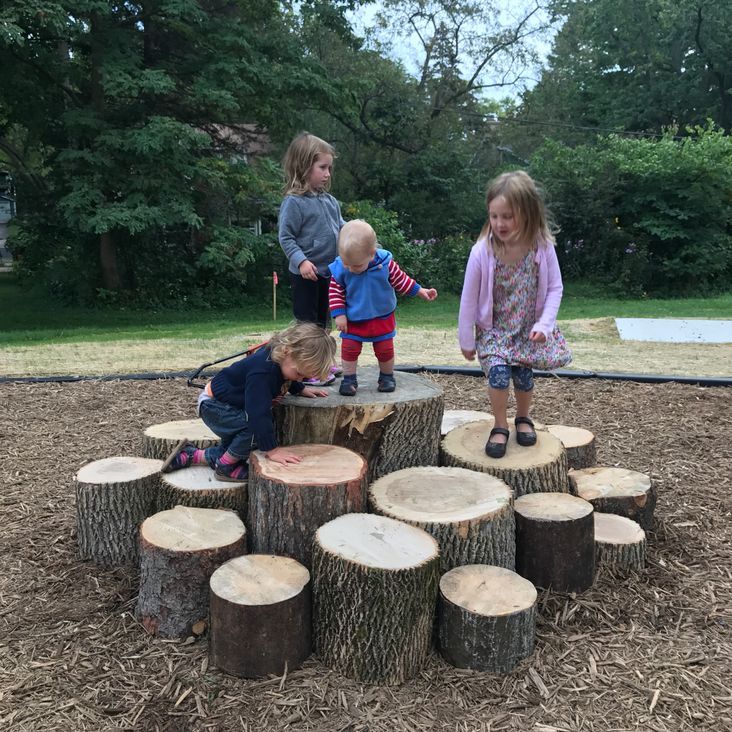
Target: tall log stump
540, 468
380, 427
579, 444
260, 616
619, 543
374, 596
469, 514
486, 618
179, 551
617, 490
198, 487
113, 497
453, 418
159, 439
555, 541
288, 503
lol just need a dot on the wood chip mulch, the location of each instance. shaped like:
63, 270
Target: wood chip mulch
646, 652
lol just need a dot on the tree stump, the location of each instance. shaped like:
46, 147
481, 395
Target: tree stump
198, 487
579, 444
374, 597
540, 468
469, 514
555, 541
288, 503
617, 490
159, 439
113, 497
453, 418
179, 551
260, 616
381, 427
486, 618
619, 542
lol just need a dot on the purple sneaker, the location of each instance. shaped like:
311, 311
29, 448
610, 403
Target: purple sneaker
232, 472
181, 456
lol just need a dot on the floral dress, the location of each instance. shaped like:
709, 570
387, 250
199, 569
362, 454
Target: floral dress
514, 315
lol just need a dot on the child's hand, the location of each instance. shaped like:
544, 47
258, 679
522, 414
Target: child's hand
341, 322
308, 270
311, 392
469, 355
536, 336
430, 294
283, 455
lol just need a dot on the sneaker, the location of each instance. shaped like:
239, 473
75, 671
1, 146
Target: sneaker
349, 386
386, 382
181, 456
233, 472
319, 382
336, 371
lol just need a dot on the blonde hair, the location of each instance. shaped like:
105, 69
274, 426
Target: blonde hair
356, 240
300, 157
527, 203
309, 346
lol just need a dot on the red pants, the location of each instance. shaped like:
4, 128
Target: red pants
351, 350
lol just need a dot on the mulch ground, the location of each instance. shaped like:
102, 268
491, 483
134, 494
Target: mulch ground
646, 652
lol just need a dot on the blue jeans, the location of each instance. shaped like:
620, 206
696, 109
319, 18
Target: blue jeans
231, 424
499, 376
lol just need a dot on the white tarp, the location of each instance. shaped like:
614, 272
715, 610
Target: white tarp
669, 330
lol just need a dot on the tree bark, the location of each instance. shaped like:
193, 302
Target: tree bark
579, 444
198, 487
619, 543
159, 439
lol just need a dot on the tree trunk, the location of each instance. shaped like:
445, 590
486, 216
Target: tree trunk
159, 439
619, 543
198, 487
579, 444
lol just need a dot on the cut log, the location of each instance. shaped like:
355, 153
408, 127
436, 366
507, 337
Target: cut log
617, 490
486, 618
374, 597
159, 439
288, 503
260, 616
579, 444
198, 487
113, 497
469, 514
540, 468
619, 542
453, 418
555, 541
179, 551
390, 431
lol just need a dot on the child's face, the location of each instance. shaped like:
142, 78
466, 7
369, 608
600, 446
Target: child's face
291, 371
357, 265
320, 172
503, 222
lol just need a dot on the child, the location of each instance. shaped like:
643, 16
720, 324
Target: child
509, 303
237, 403
362, 302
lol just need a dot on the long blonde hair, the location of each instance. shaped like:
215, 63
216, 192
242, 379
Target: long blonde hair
309, 346
300, 158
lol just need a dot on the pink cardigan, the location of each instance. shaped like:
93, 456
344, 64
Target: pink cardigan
476, 301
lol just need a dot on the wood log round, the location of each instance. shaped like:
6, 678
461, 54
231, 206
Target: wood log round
486, 618
617, 490
469, 514
619, 542
389, 430
198, 487
260, 616
374, 597
453, 418
113, 497
288, 503
540, 468
159, 439
579, 444
179, 551
555, 541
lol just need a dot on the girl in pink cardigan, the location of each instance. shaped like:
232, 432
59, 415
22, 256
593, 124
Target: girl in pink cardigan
509, 303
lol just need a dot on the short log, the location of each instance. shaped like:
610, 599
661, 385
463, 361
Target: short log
540, 468
555, 541
469, 514
453, 418
486, 618
198, 487
159, 439
288, 503
381, 427
579, 444
179, 551
374, 597
113, 497
617, 490
260, 616
619, 543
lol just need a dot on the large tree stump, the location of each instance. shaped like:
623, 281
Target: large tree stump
540, 468
619, 542
179, 551
198, 487
260, 616
159, 439
453, 418
555, 541
374, 596
579, 444
617, 490
288, 503
113, 497
390, 431
470, 514
486, 618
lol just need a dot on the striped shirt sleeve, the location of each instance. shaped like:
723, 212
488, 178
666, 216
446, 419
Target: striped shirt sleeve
401, 281
336, 298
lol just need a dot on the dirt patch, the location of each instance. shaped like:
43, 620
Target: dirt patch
646, 652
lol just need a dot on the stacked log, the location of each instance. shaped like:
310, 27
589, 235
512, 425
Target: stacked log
579, 444
198, 487
619, 543
159, 439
